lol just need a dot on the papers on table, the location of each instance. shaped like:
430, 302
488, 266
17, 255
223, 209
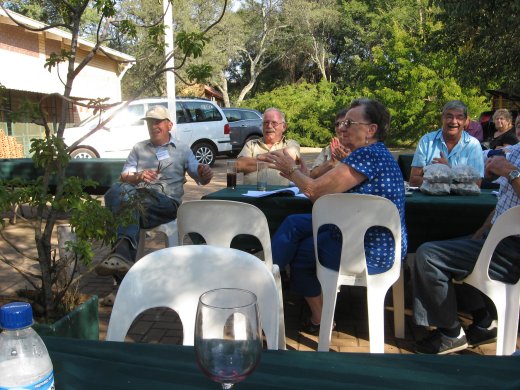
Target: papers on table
289, 191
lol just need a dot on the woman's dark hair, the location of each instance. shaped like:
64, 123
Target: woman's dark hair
376, 113
341, 113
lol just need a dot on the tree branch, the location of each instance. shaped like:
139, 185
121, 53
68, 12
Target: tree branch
45, 28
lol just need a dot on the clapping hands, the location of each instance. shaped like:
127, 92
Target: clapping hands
337, 150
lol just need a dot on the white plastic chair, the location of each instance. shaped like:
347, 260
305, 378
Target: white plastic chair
506, 297
176, 278
353, 214
219, 221
168, 229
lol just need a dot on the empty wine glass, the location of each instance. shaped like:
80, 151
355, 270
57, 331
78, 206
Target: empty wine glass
228, 341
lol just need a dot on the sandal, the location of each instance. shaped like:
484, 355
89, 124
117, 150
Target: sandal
109, 299
114, 264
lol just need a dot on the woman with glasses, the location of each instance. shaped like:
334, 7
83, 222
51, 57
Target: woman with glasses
333, 153
369, 169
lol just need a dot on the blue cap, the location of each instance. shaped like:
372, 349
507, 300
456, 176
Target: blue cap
16, 315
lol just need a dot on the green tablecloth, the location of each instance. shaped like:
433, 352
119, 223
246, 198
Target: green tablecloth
428, 218
104, 171
82, 364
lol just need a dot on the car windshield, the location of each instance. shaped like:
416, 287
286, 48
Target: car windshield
97, 117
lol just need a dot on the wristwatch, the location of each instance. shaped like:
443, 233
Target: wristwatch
513, 175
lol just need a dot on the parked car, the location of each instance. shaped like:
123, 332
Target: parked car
246, 124
200, 123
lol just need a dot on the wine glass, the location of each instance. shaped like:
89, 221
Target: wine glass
228, 341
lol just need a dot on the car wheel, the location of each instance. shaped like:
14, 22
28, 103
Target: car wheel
204, 153
83, 153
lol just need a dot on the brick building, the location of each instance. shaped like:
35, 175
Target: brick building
22, 73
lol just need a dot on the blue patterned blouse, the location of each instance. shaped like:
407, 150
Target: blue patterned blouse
384, 178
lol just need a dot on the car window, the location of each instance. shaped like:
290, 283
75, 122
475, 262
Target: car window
202, 112
179, 114
130, 116
232, 115
250, 115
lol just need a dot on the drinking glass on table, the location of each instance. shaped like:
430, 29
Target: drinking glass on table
231, 173
228, 341
261, 176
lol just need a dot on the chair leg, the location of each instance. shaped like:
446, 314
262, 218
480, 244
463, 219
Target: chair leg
281, 327
141, 245
398, 299
329, 287
508, 338
376, 319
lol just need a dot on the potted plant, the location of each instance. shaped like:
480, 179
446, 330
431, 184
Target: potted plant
52, 193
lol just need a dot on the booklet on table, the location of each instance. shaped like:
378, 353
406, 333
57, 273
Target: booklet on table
289, 191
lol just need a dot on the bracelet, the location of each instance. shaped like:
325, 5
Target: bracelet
293, 169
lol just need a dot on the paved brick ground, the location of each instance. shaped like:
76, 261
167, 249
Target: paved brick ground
162, 325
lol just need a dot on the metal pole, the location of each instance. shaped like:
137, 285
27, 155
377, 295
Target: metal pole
168, 40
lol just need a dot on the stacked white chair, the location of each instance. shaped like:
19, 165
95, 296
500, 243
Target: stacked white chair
169, 229
219, 221
354, 214
176, 278
506, 297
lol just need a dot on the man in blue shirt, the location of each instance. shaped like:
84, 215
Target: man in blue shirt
450, 145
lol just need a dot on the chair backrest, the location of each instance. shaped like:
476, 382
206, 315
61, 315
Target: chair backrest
219, 221
505, 296
176, 277
507, 224
354, 214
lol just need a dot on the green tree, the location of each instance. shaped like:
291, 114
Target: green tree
309, 109
414, 85
484, 40
265, 37
89, 220
313, 25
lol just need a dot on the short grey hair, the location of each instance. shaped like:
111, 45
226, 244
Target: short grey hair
504, 113
274, 109
455, 105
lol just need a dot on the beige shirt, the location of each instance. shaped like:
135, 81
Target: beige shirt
257, 146
325, 155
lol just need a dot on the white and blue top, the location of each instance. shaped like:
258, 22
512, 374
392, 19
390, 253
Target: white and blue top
384, 178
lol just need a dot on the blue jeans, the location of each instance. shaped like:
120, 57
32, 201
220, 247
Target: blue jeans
293, 245
157, 209
437, 263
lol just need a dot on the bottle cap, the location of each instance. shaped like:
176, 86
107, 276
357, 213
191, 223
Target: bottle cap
16, 315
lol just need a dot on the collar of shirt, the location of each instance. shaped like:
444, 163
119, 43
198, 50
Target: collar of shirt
263, 144
170, 142
465, 138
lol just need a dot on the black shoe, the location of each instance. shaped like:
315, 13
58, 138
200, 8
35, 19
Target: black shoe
477, 335
313, 329
440, 344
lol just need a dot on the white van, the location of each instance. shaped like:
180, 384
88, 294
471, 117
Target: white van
201, 124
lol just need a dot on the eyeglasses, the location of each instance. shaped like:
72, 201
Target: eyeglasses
272, 123
347, 123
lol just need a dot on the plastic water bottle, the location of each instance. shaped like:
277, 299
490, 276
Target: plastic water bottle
24, 361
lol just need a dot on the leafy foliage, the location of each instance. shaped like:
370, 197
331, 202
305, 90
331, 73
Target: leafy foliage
485, 41
53, 192
309, 109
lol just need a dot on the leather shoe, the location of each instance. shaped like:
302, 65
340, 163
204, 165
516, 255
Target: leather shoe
312, 329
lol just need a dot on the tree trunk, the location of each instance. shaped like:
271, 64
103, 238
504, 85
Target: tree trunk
223, 87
